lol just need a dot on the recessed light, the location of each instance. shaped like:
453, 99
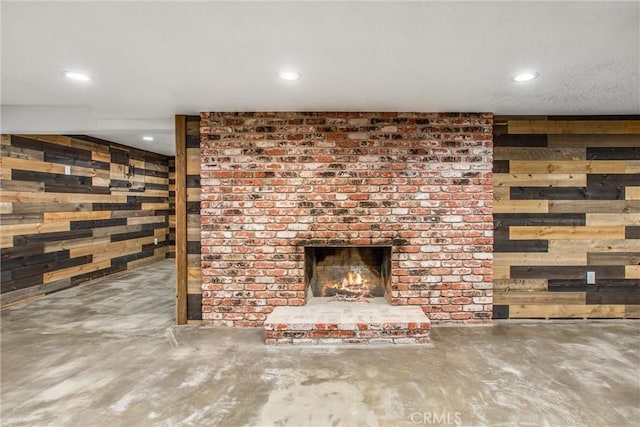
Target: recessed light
147, 138
288, 75
75, 75
524, 77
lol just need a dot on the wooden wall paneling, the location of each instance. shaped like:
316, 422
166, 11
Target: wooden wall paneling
60, 223
566, 202
194, 269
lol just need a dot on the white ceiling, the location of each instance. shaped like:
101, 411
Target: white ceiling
152, 60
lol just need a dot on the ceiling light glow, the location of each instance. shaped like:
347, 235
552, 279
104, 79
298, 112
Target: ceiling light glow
147, 138
288, 75
524, 77
77, 76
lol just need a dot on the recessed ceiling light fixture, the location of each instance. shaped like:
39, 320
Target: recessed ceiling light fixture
288, 75
147, 138
527, 76
76, 75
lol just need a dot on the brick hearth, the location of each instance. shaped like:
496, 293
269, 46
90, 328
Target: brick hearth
324, 321
275, 183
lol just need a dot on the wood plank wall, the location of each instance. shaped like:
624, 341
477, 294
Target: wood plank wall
187, 196
61, 227
567, 201
171, 251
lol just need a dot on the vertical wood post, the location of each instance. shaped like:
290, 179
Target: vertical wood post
181, 220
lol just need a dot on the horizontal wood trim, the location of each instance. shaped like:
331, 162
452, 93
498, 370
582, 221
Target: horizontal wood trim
539, 258
571, 311
566, 232
574, 167
539, 180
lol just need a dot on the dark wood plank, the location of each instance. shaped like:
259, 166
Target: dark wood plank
194, 306
613, 153
613, 297
513, 140
613, 180
567, 193
632, 232
567, 272
500, 311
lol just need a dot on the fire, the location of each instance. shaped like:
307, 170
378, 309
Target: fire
353, 284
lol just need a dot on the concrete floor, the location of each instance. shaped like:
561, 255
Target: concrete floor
107, 354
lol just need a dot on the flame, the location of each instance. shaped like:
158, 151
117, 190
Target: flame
353, 283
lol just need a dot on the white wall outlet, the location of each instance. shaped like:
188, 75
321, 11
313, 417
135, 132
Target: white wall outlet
591, 277
155, 241
67, 170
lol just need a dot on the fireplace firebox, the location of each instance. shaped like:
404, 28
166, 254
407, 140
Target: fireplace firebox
348, 272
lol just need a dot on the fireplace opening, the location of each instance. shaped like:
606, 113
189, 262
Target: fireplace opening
348, 272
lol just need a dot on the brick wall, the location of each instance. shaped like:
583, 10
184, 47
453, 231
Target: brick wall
273, 183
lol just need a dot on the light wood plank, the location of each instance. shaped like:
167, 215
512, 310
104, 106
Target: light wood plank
33, 228
519, 285
193, 194
593, 245
193, 161
154, 206
6, 207
101, 156
501, 272
40, 166
539, 298
538, 153
632, 272
581, 141
145, 220
539, 258
570, 127
598, 219
75, 216
574, 167
539, 180
75, 271
566, 311
594, 206
632, 193
52, 139
632, 311
521, 206
501, 193
566, 232
19, 197
74, 243
194, 276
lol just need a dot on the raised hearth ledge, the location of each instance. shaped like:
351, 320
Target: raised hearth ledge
327, 322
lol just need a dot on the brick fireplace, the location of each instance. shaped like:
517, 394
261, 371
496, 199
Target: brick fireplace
274, 185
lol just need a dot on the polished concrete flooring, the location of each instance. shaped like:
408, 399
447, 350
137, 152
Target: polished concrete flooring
107, 354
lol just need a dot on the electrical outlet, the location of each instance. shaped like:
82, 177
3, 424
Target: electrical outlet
67, 170
155, 241
591, 277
